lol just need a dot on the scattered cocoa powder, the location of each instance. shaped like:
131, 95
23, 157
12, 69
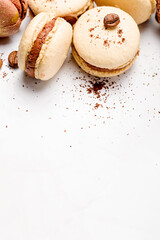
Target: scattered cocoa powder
120, 32
106, 43
4, 74
96, 87
97, 105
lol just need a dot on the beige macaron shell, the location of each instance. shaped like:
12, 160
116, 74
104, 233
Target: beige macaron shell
30, 35
59, 7
54, 51
140, 10
106, 48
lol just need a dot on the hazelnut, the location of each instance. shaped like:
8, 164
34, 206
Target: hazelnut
111, 20
12, 14
13, 59
1, 63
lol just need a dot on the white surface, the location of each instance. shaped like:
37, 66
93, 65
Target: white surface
68, 174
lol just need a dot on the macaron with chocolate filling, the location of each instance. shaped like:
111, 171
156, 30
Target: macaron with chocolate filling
61, 8
106, 41
158, 11
12, 12
140, 10
44, 46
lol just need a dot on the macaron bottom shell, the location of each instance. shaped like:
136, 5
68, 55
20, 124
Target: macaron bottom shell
97, 72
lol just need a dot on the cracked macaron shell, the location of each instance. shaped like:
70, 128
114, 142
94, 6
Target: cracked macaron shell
140, 10
53, 52
12, 12
61, 8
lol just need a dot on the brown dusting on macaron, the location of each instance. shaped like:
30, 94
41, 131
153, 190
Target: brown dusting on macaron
37, 46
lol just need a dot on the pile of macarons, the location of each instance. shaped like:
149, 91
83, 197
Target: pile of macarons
105, 39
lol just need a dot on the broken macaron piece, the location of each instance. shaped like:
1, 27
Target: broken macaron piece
12, 12
44, 46
61, 8
106, 41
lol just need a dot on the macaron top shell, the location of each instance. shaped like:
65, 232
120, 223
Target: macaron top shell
140, 10
109, 48
59, 7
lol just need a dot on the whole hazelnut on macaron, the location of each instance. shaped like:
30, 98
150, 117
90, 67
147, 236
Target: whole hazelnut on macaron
12, 12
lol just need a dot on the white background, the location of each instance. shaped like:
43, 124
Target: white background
70, 171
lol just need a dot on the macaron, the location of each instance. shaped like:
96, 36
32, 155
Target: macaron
12, 12
44, 46
61, 8
158, 11
140, 10
106, 41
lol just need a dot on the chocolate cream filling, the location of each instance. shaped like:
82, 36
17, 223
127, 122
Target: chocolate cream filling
37, 46
105, 69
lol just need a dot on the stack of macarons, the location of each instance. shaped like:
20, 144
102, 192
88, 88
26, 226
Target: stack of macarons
105, 39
